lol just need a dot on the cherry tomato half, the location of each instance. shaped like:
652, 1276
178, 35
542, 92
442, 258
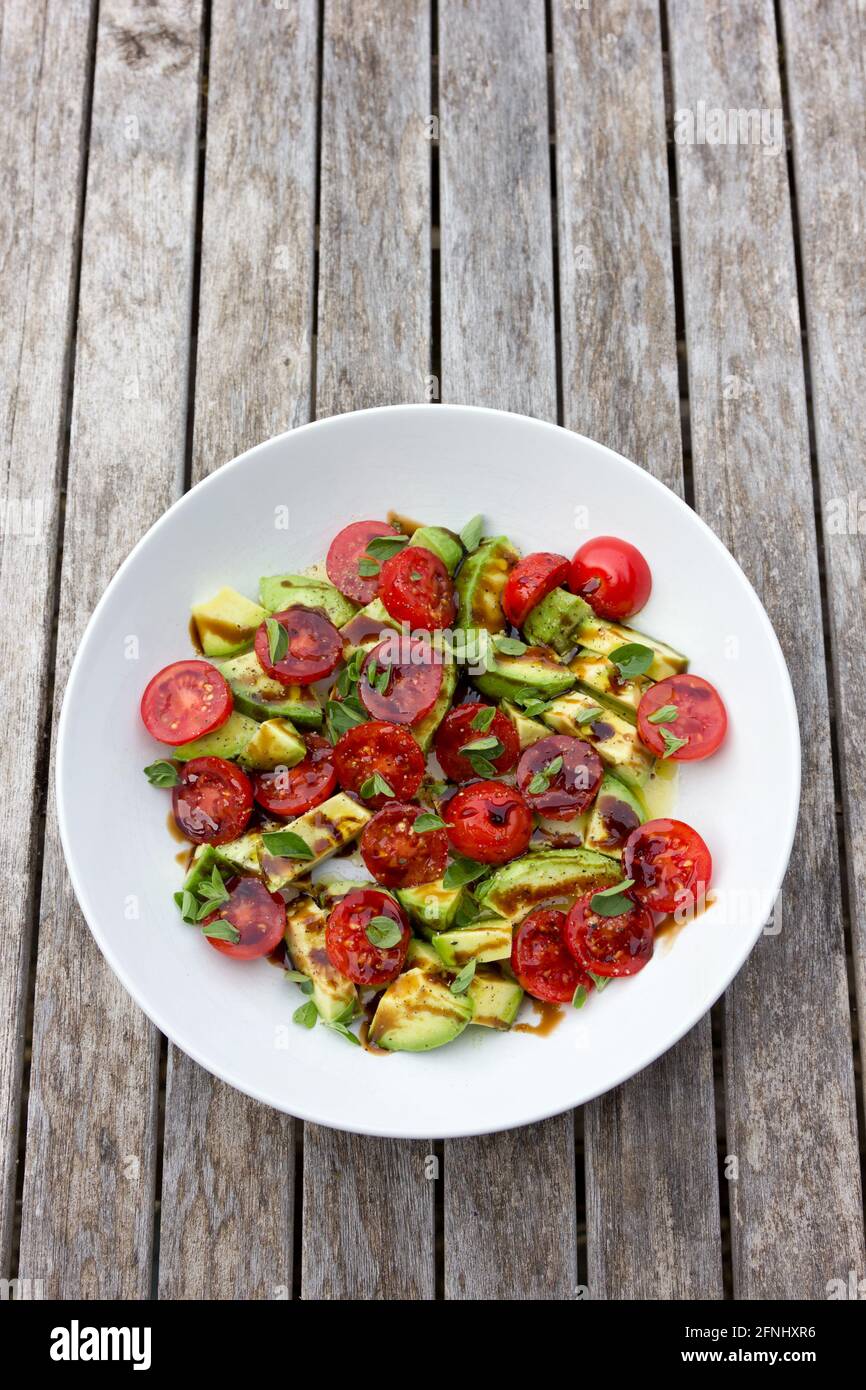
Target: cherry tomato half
388, 749
258, 915
349, 948
572, 788
212, 802
315, 647
612, 576
416, 588
488, 821
670, 864
345, 552
397, 855
539, 958
456, 733
400, 692
531, 580
609, 946
185, 701
290, 791
701, 718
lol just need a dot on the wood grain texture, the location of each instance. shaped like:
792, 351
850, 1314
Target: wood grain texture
368, 1204
498, 349
825, 52
44, 81
228, 1165
789, 1083
651, 1178
88, 1195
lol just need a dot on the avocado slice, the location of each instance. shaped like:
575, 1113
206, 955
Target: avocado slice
243, 855
418, 1012
325, 829
333, 995
280, 591
230, 740
431, 906
457, 948
537, 670
528, 730
481, 581
424, 731
201, 868
276, 743
496, 1000
556, 621
332, 891
544, 875
604, 637
617, 811
260, 697
365, 628
442, 543
422, 955
614, 738
226, 624
598, 676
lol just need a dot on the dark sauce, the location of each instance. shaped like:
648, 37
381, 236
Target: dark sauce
619, 820
194, 637
548, 1018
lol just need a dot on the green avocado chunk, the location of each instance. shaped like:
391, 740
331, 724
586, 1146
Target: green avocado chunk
243, 855
324, 829
201, 867
226, 624
260, 697
366, 627
276, 743
537, 671
617, 811
489, 942
442, 543
480, 583
418, 1012
422, 955
431, 906
280, 591
604, 637
556, 621
613, 737
334, 996
547, 875
496, 1000
528, 730
230, 740
425, 730
598, 676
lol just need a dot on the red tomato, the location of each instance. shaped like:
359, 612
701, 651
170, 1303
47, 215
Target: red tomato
530, 581
315, 647
540, 961
412, 685
612, 576
456, 731
609, 946
570, 790
290, 791
398, 856
416, 588
213, 801
348, 547
701, 718
349, 948
185, 701
258, 915
670, 864
488, 821
388, 749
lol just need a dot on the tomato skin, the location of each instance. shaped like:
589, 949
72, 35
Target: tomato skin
612, 576
315, 647
213, 801
426, 602
398, 856
573, 788
346, 549
349, 949
539, 958
609, 946
531, 580
184, 701
388, 749
259, 916
701, 717
289, 792
456, 730
488, 822
670, 864
413, 684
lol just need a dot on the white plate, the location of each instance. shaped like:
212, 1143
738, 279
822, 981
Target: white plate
548, 489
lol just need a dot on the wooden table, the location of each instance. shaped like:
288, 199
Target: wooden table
219, 220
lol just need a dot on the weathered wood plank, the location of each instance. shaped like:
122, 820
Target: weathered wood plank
88, 1195
790, 1091
44, 82
373, 349
228, 1167
651, 1180
825, 51
498, 349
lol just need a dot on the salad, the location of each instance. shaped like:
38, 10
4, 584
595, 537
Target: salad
419, 777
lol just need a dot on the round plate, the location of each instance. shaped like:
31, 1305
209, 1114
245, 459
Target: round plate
275, 509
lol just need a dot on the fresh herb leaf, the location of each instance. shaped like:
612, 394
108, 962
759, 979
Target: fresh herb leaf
600, 981
376, 786
344, 1032
382, 679
278, 640
488, 743
461, 871
220, 930
666, 715
162, 774
544, 776
612, 902
672, 743
633, 659
463, 980
481, 766
471, 534
509, 646
367, 567
187, 904
428, 820
342, 716
307, 1015
483, 719
580, 997
589, 716
383, 547
383, 932
415, 576
286, 843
